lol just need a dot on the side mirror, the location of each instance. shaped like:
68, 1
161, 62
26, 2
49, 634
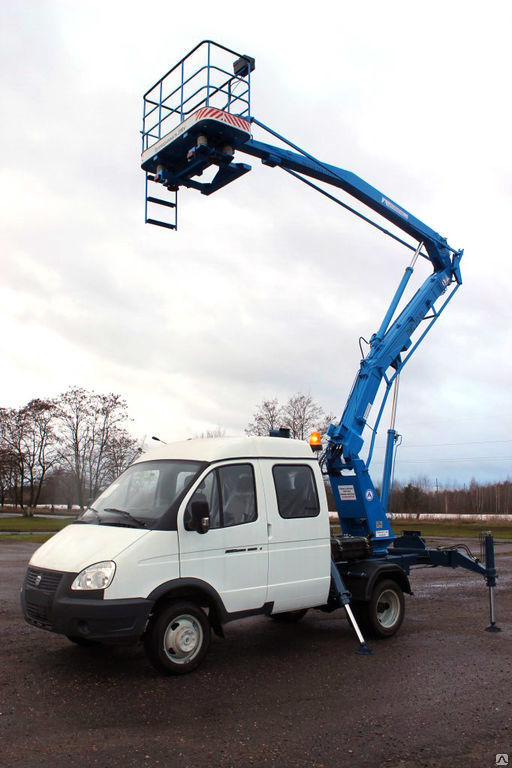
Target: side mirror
197, 517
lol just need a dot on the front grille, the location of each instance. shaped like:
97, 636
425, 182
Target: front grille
47, 580
38, 613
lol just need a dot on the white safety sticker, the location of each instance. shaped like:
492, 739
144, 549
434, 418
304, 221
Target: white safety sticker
347, 493
394, 207
381, 534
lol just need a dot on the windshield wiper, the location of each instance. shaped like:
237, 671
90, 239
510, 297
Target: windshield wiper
140, 523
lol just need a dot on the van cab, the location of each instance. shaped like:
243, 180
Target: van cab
192, 535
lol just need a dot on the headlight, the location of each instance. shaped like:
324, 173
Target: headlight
97, 576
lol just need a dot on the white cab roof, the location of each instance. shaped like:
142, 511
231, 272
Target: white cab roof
219, 448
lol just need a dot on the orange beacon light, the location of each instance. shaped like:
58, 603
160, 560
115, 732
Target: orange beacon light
315, 441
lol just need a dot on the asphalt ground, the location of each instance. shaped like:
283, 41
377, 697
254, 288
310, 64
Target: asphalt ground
439, 693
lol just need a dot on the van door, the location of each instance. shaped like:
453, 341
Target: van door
232, 556
298, 534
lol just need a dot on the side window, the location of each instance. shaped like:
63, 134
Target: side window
295, 491
231, 495
238, 494
208, 490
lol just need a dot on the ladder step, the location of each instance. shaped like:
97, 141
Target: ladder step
160, 223
161, 202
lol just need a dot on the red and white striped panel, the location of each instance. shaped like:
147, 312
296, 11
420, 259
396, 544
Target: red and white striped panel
208, 113
223, 117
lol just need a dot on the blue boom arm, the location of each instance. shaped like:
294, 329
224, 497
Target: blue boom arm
360, 509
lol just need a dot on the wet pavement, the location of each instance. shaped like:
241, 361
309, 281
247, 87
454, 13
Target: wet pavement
437, 694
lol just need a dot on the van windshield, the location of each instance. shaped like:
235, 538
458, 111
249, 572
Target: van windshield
143, 494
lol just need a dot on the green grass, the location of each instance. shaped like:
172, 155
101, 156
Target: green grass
8, 511
450, 528
31, 538
454, 528
22, 524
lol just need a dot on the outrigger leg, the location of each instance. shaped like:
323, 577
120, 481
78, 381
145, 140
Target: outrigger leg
490, 567
342, 597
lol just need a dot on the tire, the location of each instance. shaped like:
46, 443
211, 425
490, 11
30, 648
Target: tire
383, 615
178, 638
289, 617
83, 641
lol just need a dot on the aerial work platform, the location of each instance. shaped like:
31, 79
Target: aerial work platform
196, 116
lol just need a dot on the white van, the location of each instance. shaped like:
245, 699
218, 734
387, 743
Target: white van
192, 535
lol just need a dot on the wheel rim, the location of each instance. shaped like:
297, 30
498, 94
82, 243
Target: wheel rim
183, 639
388, 608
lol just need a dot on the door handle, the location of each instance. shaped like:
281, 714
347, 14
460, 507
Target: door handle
241, 549
269, 530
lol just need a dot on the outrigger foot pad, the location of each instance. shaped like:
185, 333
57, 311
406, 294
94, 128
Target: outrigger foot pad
364, 650
492, 628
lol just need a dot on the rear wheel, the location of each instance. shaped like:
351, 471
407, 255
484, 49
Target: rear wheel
177, 638
382, 616
289, 617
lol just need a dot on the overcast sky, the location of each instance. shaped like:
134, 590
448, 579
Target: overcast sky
266, 287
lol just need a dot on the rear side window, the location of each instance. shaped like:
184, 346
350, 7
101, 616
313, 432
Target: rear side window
295, 491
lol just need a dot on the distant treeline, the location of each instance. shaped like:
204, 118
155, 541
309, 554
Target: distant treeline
477, 499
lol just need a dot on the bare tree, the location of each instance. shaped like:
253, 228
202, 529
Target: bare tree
12, 443
11, 425
121, 451
28, 436
268, 415
39, 445
301, 415
8, 475
90, 425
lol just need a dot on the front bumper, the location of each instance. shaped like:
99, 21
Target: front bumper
49, 603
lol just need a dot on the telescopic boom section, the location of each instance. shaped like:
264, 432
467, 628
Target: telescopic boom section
204, 125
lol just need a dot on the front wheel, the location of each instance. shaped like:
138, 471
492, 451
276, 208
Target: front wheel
382, 616
177, 638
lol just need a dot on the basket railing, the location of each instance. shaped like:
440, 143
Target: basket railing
201, 78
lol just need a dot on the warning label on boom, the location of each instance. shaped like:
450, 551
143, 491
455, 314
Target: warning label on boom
347, 492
